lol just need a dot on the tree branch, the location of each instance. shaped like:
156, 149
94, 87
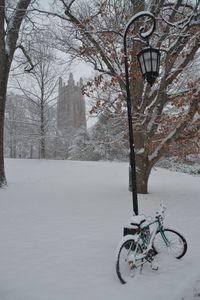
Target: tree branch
14, 26
81, 27
26, 69
189, 57
175, 133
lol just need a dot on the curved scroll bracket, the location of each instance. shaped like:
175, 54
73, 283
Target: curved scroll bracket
144, 35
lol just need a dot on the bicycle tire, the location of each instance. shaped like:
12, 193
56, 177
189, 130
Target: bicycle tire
174, 237
127, 246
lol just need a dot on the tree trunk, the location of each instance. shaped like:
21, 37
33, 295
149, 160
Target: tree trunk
143, 171
2, 172
3, 89
42, 147
8, 40
31, 152
143, 165
42, 126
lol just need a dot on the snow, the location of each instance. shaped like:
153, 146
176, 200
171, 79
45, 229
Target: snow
164, 142
137, 219
61, 223
139, 151
137, 16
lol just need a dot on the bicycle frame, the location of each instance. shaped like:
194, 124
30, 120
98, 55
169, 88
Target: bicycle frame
141, 243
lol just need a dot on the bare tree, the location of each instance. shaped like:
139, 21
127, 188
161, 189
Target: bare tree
93, 32
18, 129
39, 87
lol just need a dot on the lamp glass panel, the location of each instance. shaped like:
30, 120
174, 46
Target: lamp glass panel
154, 61
141, 60
147, 59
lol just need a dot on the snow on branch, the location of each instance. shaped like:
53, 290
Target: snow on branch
165, 141
179, 15
189, 56
176, 132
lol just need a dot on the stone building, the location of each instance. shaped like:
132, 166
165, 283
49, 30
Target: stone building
70, 107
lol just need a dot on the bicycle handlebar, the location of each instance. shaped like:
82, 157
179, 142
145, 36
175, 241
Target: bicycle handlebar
161, 211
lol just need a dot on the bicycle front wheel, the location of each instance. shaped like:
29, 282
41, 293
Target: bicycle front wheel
170, 241
129, 259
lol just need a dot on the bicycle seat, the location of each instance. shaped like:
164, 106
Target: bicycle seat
137, 220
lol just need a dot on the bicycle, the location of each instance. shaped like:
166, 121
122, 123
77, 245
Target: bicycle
141, 243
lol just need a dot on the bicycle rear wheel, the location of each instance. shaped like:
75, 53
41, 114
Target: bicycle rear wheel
128, 260
175, 244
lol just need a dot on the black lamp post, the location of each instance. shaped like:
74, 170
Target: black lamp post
149, 60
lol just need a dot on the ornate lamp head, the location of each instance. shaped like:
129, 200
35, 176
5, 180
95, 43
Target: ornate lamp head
149, 61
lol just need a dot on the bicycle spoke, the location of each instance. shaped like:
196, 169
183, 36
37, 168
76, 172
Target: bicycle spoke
127, 263
175, 245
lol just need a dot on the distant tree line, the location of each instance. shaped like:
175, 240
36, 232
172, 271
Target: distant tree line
24, 139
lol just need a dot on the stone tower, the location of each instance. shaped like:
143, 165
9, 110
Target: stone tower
70, 106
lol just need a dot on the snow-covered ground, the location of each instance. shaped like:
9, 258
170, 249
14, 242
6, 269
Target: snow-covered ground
61, 222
